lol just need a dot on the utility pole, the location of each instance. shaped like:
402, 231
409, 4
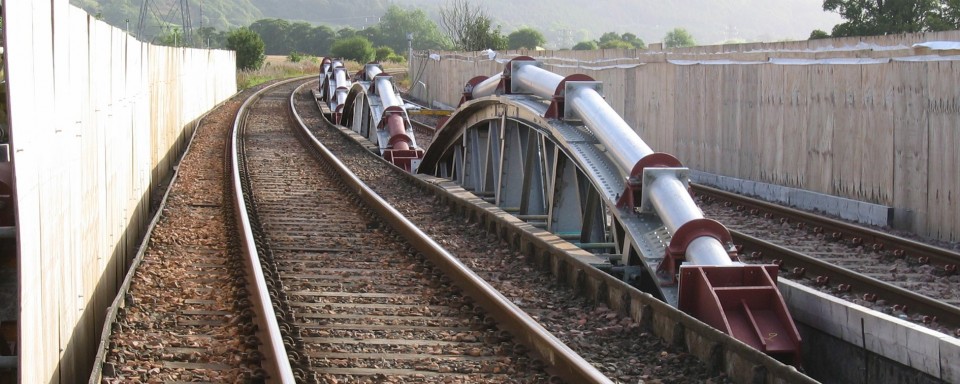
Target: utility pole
409, 47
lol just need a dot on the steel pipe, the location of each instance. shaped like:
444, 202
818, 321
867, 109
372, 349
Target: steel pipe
624, 145
372, 71
487, 87
707, 250
668, 195
342, 95
672, 201
388, 97
536, 80
340, 76
675, 207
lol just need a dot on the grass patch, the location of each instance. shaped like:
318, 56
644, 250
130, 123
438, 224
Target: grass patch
284, 67
277, 67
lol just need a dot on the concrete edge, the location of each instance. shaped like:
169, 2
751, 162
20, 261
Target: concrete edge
848, 209
915, 346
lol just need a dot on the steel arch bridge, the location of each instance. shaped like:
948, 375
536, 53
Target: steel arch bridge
550, 151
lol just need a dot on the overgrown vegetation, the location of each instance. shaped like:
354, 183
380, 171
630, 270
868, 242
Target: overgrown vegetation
526, 38
612, 40
277, 67
678, 37
249, 48
355, 48
469, 27
879, 17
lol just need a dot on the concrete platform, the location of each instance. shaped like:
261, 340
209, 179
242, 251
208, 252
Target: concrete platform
848, 209
880, 348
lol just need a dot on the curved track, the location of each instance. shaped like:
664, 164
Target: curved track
186, 315
891, 274
598, 333
357, 301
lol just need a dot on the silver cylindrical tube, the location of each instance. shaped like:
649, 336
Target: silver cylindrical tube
675, 207
340, 75
388, 97
487, 87
621, 141
672, 202
372, 71
706, 250
536, 80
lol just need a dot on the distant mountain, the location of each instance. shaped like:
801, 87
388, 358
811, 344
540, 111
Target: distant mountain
563, 22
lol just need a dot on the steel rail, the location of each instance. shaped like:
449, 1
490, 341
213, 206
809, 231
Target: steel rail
947, 315
423, 126
837, 229
278, 364
565, 363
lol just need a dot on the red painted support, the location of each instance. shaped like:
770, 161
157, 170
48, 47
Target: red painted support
555, 111
631, 195
468, 88
742, 301
398, 149
681, 239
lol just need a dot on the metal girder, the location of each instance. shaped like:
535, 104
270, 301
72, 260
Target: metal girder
551, 174
604, 189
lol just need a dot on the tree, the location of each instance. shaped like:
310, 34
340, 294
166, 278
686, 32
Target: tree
635, 41
210, 37
356, 48
298, 36
396, 23
469, 28
616, 44
608, 36
586, 46
383, 53
249, 48
880, 17
275, 34
818, 34
678, 37
346, 32
625, 41
525, 38
944, 17
320, 40
172, 38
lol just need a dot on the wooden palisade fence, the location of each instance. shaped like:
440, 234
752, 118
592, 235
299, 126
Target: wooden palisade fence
96, 120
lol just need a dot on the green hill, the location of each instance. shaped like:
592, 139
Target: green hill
563, 22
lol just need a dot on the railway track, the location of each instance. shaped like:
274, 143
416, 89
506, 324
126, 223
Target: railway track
360, 301
897, 276
424, 132
185, 315
614, 343
354, 299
